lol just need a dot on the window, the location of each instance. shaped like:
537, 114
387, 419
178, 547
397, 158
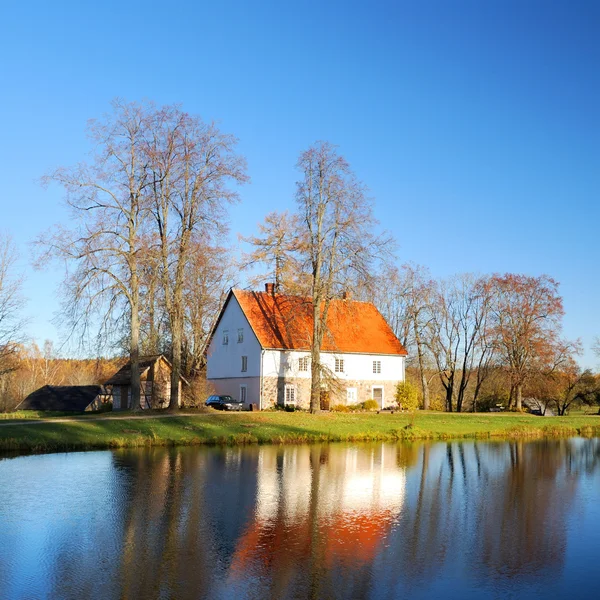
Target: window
243, 393
244, 364
339, 365
290, 394
351, 396
303, 364
240, 336
225, 337
376, 366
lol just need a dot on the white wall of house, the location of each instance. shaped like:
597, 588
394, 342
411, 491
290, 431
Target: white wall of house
281, 363
225, 360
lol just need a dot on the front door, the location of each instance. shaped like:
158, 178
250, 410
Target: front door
378, 396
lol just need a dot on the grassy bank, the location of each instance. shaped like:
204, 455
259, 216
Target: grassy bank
281, 428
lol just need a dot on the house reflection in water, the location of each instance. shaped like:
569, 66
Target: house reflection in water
320, 506
462, 519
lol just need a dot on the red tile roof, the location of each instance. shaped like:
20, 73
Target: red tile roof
285, 322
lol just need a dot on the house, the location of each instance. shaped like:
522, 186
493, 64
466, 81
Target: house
77, 398
259, 351
155, 383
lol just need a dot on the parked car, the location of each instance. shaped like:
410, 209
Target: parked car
224, 403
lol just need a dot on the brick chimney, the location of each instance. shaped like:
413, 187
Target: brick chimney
270, 288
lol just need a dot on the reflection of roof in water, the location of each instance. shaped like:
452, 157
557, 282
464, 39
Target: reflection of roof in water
357, 502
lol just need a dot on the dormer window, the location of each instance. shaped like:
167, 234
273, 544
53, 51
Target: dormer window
225, 337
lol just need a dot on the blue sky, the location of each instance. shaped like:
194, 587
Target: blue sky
475, 125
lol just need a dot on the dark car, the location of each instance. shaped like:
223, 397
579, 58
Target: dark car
224, 403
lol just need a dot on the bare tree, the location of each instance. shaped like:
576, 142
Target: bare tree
107, 198
210, 274
193, 166
455, 331
340, 240
525, 318
278, 246
405, 301
11, 302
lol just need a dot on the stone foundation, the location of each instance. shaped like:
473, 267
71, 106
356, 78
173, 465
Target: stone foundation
273, 391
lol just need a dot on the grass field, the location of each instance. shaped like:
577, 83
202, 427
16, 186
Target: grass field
119, 430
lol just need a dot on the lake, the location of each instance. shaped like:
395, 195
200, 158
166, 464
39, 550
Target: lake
427, 520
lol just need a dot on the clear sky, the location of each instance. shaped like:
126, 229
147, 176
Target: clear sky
475, 124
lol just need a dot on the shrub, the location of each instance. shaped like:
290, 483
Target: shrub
370, 405
436, 403
340, 408
407, 396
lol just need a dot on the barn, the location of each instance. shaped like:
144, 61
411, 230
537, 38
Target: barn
155, 383
64, 398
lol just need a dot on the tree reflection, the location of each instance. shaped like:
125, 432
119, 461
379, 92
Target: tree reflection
339, 521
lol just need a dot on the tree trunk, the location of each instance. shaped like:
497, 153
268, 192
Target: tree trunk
519, 405
449, 391
424, 384
134, 347
315, 364
176, 360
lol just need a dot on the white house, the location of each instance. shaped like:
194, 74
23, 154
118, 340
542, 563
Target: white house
259, 351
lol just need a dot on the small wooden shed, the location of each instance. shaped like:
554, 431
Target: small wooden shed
76, 398
155, 383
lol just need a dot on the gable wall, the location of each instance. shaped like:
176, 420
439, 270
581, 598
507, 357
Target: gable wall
225, 361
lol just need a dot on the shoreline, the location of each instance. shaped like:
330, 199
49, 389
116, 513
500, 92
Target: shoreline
37, 436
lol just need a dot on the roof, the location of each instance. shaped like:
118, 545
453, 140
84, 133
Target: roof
61, 397
285, 322
123, 375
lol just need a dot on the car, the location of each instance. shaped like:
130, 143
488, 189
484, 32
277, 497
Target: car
224, 403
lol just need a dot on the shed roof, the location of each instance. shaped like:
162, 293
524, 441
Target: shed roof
123, 375
61, 397
285, 322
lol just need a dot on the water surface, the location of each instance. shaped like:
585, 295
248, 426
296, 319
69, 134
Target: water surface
457, 520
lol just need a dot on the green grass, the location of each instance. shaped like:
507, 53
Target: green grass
26, 415
281, 428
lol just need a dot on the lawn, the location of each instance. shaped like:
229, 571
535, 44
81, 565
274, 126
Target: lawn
120, 430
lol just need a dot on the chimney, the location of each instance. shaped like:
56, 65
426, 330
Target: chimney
346, 295
270, 288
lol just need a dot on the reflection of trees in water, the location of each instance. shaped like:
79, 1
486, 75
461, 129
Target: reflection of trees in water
488, 510
186, 511
336, 521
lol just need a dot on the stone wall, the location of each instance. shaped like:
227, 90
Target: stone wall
274, 391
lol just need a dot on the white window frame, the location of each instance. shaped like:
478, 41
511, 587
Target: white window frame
289, 399
339, 365
240, 335
303, 363
244, 394
225, 337
351, 395
377, 367
244, 364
